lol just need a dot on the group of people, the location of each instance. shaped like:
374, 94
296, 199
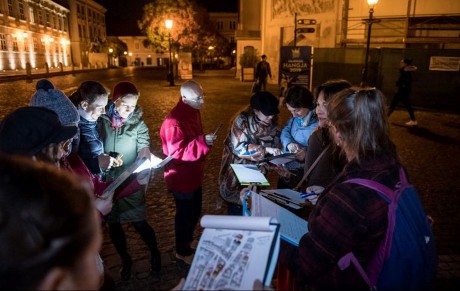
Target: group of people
336, 133
93, 139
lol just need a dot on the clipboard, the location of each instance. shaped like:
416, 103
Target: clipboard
249, 174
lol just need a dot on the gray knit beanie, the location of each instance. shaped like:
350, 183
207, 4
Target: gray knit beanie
49, 97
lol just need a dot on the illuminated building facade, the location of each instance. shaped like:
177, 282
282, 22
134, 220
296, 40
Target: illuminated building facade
33, 34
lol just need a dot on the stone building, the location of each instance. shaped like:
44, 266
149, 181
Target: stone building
33, 34
37, 34
267, 25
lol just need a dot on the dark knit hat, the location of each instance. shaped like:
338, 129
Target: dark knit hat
122, 89
265, 102
28, 130
49, 97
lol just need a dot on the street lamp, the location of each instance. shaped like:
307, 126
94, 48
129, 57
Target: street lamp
110, 56
169, 25
369, 21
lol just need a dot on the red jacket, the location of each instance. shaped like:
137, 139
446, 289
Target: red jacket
182, 138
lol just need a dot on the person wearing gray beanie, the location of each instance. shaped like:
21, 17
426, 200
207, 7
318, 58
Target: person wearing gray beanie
49, 97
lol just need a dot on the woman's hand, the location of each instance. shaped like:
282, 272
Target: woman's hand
144, 153
300, 155
103, 205
293, 147
273, 151
105, 161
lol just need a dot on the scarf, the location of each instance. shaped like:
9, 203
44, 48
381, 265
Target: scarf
117, 120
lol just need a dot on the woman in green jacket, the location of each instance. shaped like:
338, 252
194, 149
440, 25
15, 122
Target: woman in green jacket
123, 131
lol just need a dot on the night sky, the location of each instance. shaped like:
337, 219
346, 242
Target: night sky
122, 15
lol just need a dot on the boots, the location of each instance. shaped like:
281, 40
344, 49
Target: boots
125, 272
155, 262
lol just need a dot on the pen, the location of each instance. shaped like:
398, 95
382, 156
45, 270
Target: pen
305, 195
217, 129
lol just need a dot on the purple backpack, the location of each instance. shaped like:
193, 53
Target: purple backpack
406, 258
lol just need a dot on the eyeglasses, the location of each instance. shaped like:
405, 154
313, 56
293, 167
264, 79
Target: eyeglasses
67, 145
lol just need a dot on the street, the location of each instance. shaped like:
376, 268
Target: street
430, 152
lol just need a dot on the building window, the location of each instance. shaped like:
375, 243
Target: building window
26, 45
232, 25
55, 18
10, 7
40, 17
35, 44
64, 21
136, 46
3, 42
31, 15
79, 31
15, 45
22, 15
48, 20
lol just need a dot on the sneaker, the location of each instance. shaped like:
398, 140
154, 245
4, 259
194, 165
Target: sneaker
186, 259
412, 123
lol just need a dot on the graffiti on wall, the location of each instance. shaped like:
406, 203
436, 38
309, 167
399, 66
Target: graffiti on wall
287, 8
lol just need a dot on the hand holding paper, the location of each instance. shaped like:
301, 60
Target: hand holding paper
273, 151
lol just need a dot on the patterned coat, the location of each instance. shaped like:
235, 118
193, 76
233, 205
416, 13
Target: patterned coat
245, 144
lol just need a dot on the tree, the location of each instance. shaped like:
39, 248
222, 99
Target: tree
119, 48
192, 29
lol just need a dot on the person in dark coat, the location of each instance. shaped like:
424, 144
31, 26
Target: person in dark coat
263, 71
404, 85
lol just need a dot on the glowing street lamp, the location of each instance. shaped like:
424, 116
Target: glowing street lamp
169, 25
369, 21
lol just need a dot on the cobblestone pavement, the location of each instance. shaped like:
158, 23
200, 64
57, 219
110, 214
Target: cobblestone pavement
430, 152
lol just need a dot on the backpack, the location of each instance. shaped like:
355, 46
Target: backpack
406, 259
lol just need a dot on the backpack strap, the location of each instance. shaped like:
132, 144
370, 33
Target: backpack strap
391, 197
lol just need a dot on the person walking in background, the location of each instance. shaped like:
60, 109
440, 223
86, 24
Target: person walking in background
297, 131
182, 138
49, 230
254, 135
122, 130
404, 85
90, 100
263, 71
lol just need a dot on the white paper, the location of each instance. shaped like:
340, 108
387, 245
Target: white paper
248, 174
230, 258
292, 227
